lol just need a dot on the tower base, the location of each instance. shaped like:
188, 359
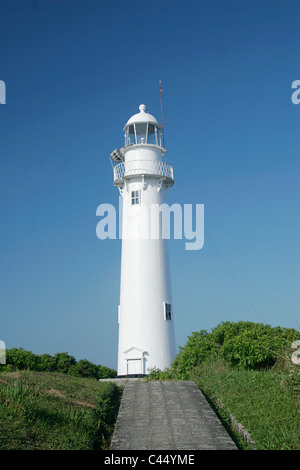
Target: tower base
132, 376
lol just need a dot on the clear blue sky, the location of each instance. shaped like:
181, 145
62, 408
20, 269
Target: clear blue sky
74, 73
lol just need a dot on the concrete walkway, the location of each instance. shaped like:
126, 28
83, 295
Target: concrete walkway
168, 415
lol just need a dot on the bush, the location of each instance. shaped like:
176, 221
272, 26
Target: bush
245, 345
83, 368
64, 362
198, 347
47, 363
105, 372
19, 359
255, 345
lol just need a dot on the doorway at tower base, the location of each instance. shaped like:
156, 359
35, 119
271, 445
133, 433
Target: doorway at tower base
133, 362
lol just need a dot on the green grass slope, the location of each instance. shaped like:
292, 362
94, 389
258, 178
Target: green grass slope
265, 402
51, 411
248, 371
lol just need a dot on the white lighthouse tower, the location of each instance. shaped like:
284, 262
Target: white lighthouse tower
145, 313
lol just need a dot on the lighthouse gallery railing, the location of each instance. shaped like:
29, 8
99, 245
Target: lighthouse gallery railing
142, 167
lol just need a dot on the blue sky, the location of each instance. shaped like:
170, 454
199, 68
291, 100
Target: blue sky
74, 73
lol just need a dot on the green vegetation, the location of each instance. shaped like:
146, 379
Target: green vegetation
52, 411
244, 369
19, 359
247, 368
265, 402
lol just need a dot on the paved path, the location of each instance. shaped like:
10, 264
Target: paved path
168, 415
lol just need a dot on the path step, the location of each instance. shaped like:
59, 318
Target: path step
168, 415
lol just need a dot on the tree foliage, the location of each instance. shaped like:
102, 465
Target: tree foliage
242, 344
20, 359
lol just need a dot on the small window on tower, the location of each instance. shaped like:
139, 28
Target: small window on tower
168, 313
135, 197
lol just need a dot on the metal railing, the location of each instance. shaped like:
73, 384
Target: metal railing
142, 167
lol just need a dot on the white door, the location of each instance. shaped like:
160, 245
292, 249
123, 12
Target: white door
134, 366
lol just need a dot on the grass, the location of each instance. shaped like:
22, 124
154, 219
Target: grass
51, 411
265, 402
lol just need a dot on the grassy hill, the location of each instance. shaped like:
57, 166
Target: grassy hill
246, 370
52, 411
265, 402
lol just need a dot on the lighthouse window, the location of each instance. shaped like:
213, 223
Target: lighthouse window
168, 311
135, 197
141, 133
158, 136
131, 136
151, 134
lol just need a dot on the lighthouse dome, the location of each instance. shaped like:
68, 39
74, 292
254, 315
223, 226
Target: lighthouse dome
142, 129
142, 116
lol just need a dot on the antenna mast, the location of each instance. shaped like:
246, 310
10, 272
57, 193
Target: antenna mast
161, 110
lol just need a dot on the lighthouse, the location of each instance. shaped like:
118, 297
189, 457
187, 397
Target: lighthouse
145, 312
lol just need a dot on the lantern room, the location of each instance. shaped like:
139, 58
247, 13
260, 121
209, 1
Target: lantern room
143, 129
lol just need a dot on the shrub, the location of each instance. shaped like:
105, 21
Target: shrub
63, 362
105, 372
83, 368
19, 359
246, 345
198, 347
256, 345
46, 363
